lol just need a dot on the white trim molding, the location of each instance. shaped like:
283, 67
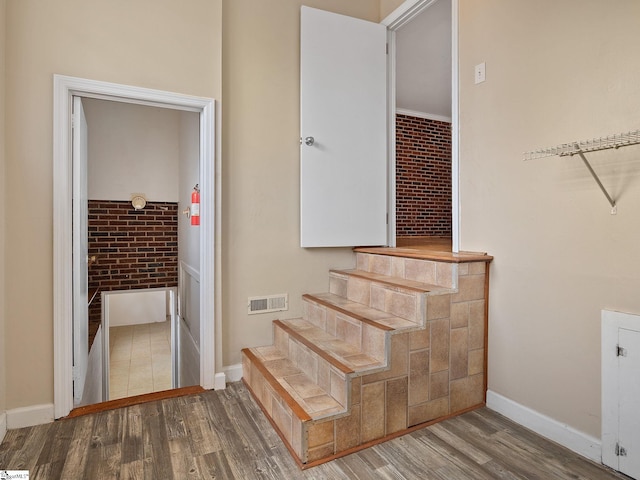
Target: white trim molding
64, 88
29, 416
575, 440
220, 381
427, 116
3, 425
233, 372
406, 12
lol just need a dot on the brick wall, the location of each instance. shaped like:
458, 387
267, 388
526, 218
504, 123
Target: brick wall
134, 249
423, 177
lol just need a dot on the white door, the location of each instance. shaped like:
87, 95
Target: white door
629, 400
343, 128
80, 252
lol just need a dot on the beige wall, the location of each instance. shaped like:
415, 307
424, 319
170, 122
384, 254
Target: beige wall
176, 47
556, 72
388, 6
567, 72
161, 44
3, 189
260, 233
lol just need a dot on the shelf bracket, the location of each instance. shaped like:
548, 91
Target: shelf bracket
578, 151
593, 145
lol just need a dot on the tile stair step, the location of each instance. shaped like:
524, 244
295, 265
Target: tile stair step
400, 297
398, 283
306, 399
342, 355
305, 381
367, 315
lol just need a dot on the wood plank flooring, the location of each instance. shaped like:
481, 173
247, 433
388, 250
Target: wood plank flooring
224, 435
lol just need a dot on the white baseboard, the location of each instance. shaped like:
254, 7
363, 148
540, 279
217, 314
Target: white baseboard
3, 425
561, 433
233, 372
219, 381
29, 416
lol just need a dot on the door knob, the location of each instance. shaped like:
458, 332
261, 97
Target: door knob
309, 141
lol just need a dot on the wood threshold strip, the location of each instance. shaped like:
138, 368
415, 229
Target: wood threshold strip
315, 348
344, 311
135, 400
377, 278
280, 390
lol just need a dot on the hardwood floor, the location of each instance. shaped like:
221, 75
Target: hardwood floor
224, 435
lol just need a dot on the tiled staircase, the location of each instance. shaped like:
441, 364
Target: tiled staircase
397, 342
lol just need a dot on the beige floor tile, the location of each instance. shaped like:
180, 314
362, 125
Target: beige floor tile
140, 359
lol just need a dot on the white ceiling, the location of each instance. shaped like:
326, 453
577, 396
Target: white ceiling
423, 62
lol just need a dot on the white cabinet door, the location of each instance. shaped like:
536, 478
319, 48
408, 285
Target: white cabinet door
621, 391
80, 251
343, 128
629, 400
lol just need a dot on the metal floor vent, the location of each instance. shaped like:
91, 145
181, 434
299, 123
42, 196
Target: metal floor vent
268, 303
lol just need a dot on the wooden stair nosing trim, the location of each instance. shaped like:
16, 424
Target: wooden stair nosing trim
344, 311
446, 257
315, 348
296, 408
362, 274
294, 455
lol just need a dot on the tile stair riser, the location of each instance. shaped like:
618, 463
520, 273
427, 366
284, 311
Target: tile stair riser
338, 284
370, 339
311, 364
379, 296
316, 314
385, 400
427, 271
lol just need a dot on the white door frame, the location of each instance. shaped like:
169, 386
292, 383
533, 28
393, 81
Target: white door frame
64, 89
396, 19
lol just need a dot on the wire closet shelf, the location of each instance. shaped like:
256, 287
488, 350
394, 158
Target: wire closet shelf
586, 146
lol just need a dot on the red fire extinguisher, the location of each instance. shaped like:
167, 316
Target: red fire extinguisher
195, 206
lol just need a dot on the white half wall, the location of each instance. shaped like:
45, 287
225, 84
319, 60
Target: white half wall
136, 307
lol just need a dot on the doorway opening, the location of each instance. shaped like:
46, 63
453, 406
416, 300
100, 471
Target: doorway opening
140, 328
142, 165
423, 125
65, 88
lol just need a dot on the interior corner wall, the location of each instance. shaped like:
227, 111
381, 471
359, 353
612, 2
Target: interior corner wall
388, 6
260, 173
556, 72
161, 44
3, 189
